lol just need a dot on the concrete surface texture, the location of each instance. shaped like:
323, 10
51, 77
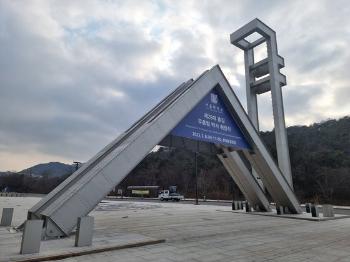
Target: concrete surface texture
206, 233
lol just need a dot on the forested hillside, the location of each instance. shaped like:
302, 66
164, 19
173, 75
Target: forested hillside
320, 158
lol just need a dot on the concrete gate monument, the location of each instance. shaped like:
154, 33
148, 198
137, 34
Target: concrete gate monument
204, 114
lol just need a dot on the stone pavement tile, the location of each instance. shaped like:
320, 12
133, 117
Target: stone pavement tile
200, 233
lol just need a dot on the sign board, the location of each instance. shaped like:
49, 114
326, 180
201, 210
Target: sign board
210, 121
139, 192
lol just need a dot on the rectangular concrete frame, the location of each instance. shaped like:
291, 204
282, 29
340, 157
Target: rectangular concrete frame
272, 83
31, 237
6, 217
82, 191
85, 229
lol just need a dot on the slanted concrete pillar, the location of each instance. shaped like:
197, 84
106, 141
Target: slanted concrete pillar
85, 227
328, 211
6, 218
31, 237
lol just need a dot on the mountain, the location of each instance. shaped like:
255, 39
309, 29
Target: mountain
52, 169
5, 173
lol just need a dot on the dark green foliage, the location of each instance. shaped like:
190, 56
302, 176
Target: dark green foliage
168, 167
320, 158
24, 183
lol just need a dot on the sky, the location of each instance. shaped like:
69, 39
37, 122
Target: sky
75, 74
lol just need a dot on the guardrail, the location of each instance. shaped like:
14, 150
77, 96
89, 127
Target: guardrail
15, 194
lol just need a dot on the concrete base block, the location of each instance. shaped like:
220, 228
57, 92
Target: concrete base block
85, 227
314, 211
31, 237
328, 211
6, 218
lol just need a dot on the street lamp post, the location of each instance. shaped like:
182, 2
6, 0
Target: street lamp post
77, 163
196, 174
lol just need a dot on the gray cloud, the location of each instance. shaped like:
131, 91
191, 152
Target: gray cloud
75, 75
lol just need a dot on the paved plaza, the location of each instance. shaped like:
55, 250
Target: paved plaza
209, 233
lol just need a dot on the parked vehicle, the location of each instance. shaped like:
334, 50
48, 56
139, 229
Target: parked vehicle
165, 195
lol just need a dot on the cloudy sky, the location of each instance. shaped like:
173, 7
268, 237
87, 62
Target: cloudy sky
74, 74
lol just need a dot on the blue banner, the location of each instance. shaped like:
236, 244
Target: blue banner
211, 122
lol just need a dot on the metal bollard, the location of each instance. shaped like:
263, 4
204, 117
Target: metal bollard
235, 205
279, 210
242, 205
247, 207
308, 207
314, 211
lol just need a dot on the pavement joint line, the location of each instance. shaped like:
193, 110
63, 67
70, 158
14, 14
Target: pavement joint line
68, 254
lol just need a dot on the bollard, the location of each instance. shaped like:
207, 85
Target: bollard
85, 227
286, 210
257, 208
235, 205
314, 211
31, 236
242, 205
247, 207
328, 211
308, 207
279, 210
6, 218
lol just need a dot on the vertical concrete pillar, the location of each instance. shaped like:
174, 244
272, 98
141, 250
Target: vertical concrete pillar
252, 101
278, 111
31, 237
